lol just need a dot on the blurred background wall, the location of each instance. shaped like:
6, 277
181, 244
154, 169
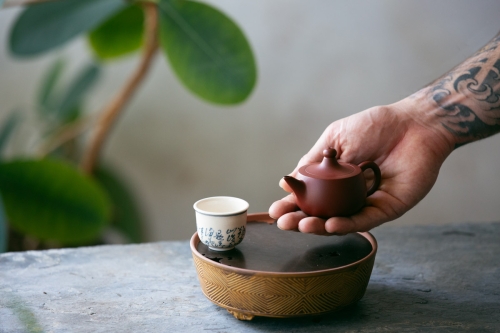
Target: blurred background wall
318, 61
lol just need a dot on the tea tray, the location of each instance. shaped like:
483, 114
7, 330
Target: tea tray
276, 273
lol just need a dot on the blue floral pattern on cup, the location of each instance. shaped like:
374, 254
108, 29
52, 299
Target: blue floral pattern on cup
219, 239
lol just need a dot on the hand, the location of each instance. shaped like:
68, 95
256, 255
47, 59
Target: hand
409, 146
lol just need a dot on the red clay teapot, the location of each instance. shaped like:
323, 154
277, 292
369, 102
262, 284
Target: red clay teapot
332, 188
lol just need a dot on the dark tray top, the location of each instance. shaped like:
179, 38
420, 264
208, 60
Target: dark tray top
267, 248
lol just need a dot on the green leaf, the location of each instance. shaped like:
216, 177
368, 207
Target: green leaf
207, 50
3, 228
77, 90
8, 128
45, 26
50, 199
46, 93
125, 213
73, 113
121, 34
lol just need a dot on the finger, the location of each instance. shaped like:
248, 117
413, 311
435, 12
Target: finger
283, 206
381, 207
290, 221
284, 185
367, 219
312, 225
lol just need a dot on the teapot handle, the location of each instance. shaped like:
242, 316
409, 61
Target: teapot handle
376, 173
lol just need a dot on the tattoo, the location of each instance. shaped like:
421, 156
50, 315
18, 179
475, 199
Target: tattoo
469, 96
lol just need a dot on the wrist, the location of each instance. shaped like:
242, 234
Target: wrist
422, 114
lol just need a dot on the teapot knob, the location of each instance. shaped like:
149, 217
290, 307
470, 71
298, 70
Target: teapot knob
330, 153
330, 160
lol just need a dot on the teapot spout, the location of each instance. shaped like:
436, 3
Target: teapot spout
298, 186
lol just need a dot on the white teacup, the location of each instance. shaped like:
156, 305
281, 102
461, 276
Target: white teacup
221, 221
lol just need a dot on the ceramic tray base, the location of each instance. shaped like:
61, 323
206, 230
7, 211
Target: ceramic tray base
275, 273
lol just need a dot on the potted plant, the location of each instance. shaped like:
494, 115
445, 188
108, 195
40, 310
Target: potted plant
64, 197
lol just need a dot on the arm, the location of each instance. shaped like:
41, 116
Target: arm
409, 140
468, 97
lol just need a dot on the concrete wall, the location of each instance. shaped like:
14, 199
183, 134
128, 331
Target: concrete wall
318, 61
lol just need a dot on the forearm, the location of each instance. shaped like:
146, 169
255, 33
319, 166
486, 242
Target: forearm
466, 100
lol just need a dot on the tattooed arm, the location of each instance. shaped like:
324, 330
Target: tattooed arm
409, 140
469, 96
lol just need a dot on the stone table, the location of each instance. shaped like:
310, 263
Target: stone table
426, 278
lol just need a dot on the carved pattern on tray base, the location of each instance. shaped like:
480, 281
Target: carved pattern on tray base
283, 296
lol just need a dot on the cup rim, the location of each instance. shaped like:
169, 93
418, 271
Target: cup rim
227, 213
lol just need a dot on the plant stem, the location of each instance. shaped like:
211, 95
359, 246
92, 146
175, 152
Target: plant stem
66, 133
112, 110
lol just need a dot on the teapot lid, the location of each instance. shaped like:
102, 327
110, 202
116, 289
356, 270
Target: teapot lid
329, 168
